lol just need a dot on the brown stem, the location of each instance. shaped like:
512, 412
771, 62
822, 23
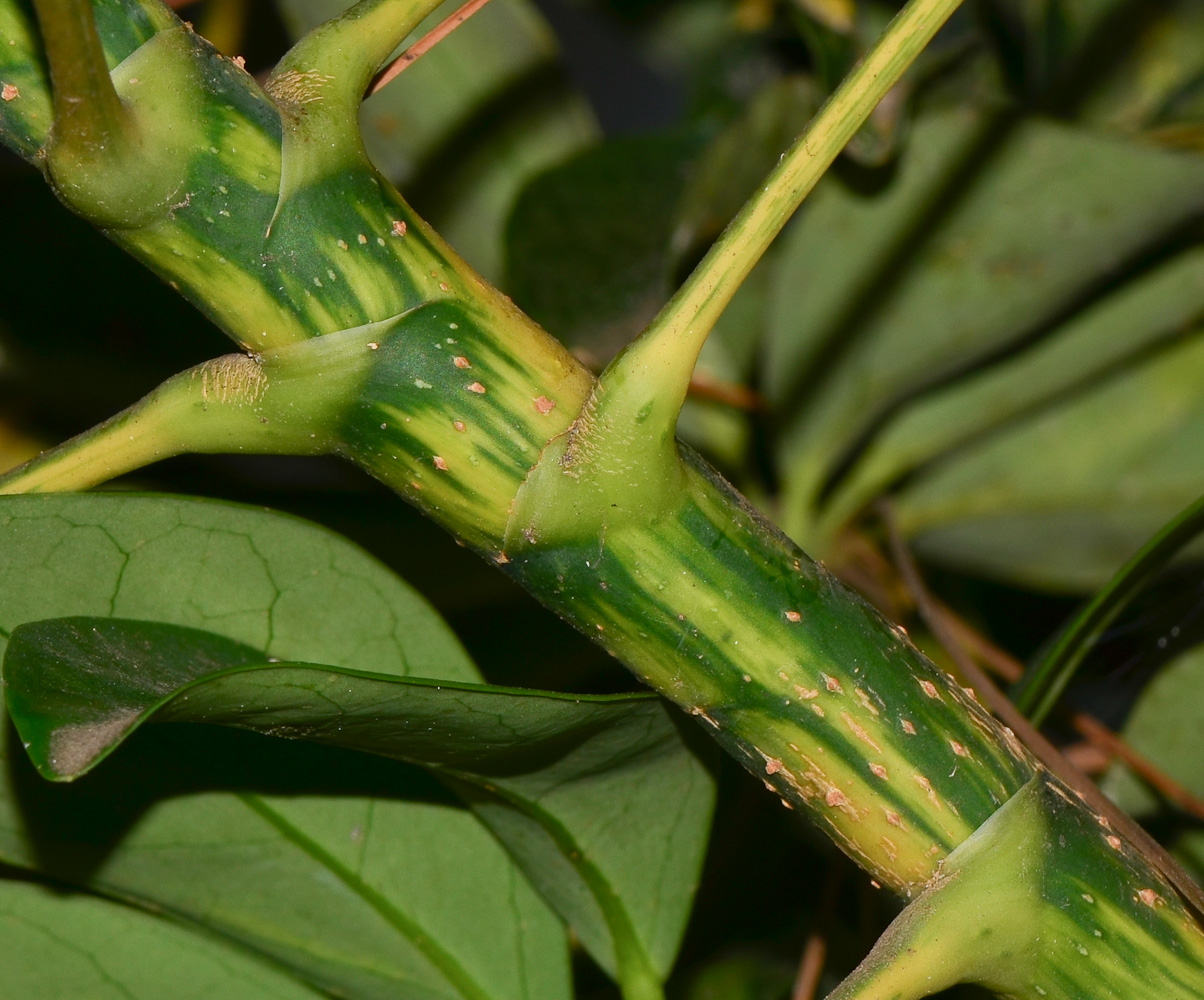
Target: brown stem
1088, 757
738, 397
424, 45
1103, 737
979, 646
815, 951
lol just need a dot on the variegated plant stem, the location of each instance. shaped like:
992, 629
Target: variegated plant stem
363, 334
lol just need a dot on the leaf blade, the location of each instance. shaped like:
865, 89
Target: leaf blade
55, 945
268, 582
560, 762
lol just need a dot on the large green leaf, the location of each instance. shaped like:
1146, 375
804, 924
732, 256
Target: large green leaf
1166, 727
1031, 228
599, 841
365, 882
471, 194
844, 240
1061, 499
56, 946
597, 796
276, 583
377, 886
1140, 317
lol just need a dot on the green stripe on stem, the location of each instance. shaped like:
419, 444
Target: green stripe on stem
1043, 902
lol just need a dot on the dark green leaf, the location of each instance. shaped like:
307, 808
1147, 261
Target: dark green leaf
282, 586
56, 946
1044, 682
1165, 727
468, 196
1155, 81
1060, 500
745, 977
1140, 317
588, 245
1031, 227
1042, 42
596, 796
374, 896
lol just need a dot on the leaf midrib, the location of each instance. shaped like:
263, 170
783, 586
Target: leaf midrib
440, 958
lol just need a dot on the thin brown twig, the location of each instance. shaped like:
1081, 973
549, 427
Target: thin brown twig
1038, 745
862, 565
980, 647
424, 45
1099, 736
1088, 758
1103, 737
815, 950
738, 397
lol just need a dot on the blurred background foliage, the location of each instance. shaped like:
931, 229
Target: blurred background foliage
991, 311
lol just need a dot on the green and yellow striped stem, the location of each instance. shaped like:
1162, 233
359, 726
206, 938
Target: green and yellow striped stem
270, 262
1044, 900
367, 336
829, 704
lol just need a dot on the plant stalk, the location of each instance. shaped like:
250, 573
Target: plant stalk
88, 114
684, 323
397, 356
